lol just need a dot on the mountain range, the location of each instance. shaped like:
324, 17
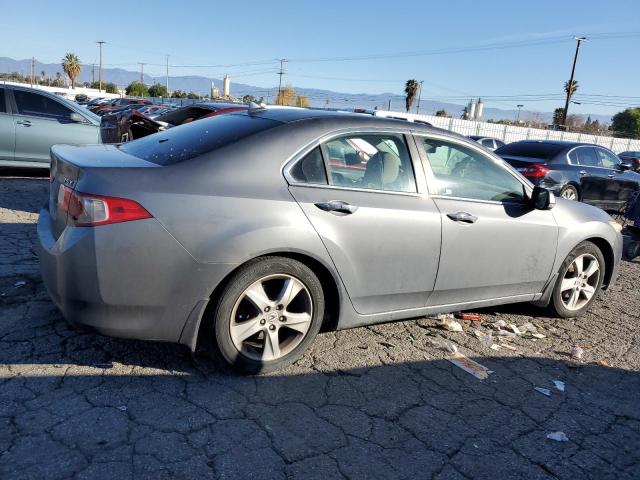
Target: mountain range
317, 97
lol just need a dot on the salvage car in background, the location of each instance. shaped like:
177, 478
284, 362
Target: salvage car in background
575, 171
632, 158
32, 120
123, 126
243, 228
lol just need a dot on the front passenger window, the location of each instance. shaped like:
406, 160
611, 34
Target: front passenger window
36, 105
462, 172
608, 160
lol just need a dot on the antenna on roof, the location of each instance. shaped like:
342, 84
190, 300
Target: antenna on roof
256, 108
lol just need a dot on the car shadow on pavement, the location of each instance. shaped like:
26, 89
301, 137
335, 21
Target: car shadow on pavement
350, 408
23, 193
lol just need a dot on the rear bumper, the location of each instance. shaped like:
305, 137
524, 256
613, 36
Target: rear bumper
130, 280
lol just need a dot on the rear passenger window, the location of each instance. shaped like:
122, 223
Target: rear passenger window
372, 161
310, 169
587, 157
3, 104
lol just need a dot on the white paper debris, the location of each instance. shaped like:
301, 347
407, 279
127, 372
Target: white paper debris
558, 437
544, 391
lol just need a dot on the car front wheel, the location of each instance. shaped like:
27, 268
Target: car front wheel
269, 314
579, 281
569, 192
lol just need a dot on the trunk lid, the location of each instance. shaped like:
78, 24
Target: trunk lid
70, 164
522, 162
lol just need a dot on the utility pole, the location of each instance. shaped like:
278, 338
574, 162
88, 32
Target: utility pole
389, 107
33, 69
100, 43
573, 71
419, 95
281, 73
141, 72
167, 83
93, 73
518, 117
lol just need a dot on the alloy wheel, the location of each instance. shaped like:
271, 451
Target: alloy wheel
569, 194
271, 317
580, 282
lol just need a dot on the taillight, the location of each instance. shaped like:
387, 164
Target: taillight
534, 171
88, 210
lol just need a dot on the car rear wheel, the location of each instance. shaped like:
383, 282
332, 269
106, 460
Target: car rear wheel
268, 314
579, 281
569, 192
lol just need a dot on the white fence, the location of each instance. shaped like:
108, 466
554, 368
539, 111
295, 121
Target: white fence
510, 133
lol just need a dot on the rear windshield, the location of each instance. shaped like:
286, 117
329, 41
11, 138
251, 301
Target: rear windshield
534, 150
187, 141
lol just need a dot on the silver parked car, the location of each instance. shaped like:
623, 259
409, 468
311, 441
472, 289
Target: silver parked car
32, 120
258, 227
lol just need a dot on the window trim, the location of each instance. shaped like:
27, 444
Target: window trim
431, 179
412, 150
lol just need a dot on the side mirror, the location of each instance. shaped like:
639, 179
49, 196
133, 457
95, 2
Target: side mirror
542, 199
77, 118
624, 166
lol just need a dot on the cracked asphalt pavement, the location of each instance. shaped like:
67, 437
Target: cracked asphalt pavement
377, 402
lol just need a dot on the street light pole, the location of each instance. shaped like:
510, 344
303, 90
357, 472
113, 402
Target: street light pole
573, 71
419, 95
518, 117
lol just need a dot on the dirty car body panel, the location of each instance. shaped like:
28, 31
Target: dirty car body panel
225, 190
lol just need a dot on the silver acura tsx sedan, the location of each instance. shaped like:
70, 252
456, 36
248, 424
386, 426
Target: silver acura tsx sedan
257, 228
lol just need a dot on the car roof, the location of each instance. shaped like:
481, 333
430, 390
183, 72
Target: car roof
560, 143
344, 119
218, 105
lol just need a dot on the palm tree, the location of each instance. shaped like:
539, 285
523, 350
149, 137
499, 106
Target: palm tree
411, 89
71, 66
570, 90
58, 80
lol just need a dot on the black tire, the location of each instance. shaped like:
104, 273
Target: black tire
240, 281
570, 189
631, 250
556, 303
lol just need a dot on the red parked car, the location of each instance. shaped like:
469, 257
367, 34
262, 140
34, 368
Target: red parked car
118, 103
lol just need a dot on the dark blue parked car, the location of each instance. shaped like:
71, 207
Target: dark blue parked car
575, 171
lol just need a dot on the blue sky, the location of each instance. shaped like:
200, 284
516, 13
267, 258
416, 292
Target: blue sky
241, 32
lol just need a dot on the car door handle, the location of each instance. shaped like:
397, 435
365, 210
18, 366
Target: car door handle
611, 175
24, 123
583, 173
462, 217
336, 206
